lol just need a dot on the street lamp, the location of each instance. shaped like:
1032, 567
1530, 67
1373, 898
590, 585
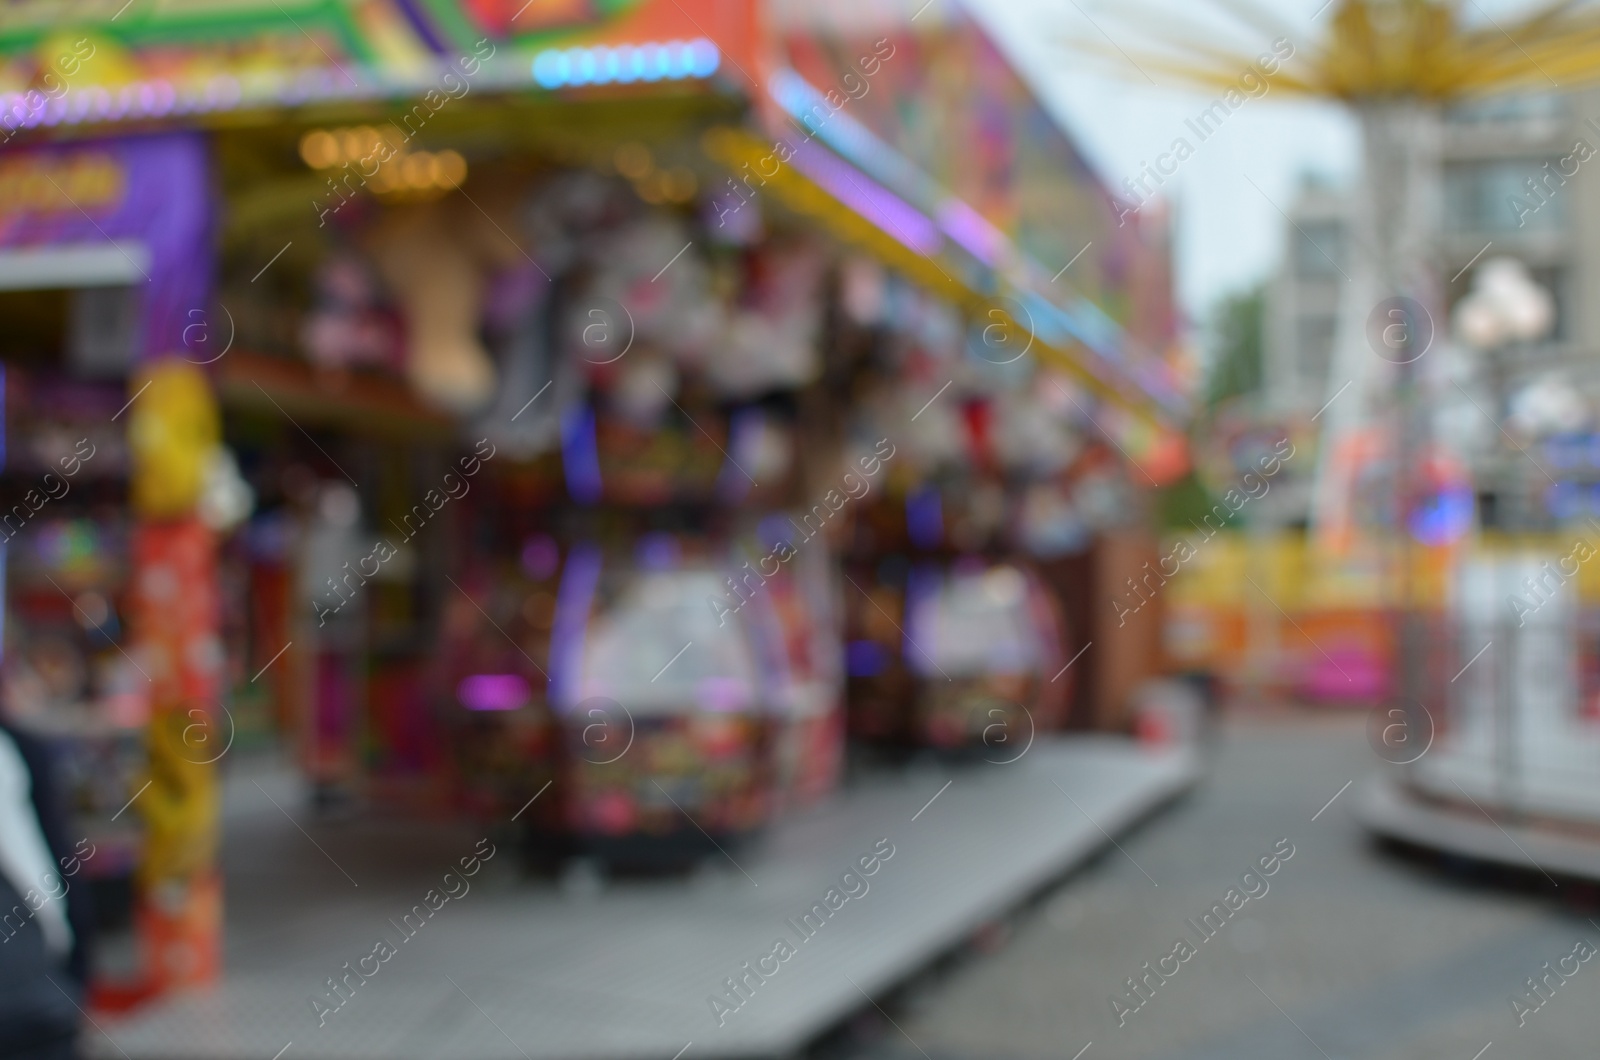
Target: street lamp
1505, 309
1506, 305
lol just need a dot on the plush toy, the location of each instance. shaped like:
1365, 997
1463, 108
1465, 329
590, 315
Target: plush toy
771, 338
437, 259
519, 333
180, 810
173, 433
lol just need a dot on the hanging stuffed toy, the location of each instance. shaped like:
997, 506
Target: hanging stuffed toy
771, 339
173, 432
437, 274
519, 330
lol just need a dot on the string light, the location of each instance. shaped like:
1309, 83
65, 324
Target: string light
626, 63
401, 172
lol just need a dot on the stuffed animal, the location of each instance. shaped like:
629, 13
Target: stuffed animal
181, 809
173, 432
440, 285
437, 259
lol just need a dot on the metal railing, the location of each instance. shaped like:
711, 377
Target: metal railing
1510, 681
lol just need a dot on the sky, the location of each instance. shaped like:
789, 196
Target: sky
1227, 199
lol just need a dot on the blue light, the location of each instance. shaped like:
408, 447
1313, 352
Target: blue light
583, 65
865, 658
775, 530
925, 517
626, 63
1443, 517
580, 456
680, 60
1565, 501
550, 69
655, 67
632, 64
703, 58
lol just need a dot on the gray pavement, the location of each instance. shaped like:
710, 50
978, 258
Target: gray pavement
1354, 951
428, 964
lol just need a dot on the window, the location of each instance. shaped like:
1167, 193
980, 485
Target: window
1521, 107
1314, 342
1553, 278
1318, 249
1496, 196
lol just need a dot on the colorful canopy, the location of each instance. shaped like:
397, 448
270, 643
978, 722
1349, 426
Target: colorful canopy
915, 122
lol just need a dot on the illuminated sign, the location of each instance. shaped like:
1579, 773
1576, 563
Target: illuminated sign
39, 184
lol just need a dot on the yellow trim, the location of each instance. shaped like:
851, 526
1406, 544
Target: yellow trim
1372, 50
738, 149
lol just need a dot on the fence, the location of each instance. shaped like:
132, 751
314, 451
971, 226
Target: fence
1489, 696
1510, 677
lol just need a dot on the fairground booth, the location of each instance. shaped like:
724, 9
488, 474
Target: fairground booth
601, 414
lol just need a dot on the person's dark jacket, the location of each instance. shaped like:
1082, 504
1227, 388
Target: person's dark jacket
39, 993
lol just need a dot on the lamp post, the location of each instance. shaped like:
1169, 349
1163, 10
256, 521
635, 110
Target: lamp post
1505, 309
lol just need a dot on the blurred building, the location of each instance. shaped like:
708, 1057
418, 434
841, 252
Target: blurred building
1505, 193
1515, 183
1302, 303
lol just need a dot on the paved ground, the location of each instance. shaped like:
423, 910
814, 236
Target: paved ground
1354, 952
518, 968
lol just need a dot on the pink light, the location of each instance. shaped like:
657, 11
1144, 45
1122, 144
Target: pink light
722, 695
494, 692
166, 96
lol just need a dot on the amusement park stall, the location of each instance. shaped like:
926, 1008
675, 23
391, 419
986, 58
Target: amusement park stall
588, 414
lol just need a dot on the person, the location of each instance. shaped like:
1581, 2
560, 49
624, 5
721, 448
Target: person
43, 921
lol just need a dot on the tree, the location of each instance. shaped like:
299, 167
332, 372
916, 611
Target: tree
1234, 341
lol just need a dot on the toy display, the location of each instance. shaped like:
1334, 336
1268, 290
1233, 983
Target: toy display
668, 741
65, 676
494, 666
428, 257
953, 638
984, 642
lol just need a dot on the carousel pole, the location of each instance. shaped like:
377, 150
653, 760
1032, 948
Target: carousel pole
1401, 209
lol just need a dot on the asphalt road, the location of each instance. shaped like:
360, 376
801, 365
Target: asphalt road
1349, 950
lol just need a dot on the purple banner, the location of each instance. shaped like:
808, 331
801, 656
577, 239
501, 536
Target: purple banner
152, 191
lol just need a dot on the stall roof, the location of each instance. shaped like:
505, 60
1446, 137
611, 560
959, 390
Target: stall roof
924, 104
916, 104
110, 60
